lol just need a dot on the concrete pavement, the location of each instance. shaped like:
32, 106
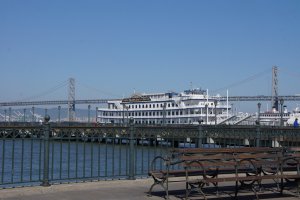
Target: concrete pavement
118, 189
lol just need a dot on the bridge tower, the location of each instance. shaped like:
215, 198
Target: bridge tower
71, 100
275, 87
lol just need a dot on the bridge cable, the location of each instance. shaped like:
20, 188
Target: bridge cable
238, 83
47, 92
98, 91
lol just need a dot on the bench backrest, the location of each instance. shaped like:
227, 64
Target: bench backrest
228, 157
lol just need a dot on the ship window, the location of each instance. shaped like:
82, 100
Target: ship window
146, 106
143, 106
146, 113
168, 105
153, 105
169, 113
176, 112
153, 113
150, 106
161, 105
150, 113
172, 104
173, 113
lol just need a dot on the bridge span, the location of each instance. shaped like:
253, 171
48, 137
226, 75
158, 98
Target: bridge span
104, 101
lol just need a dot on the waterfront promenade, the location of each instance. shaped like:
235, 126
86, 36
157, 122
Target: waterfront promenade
118, 189
52, 154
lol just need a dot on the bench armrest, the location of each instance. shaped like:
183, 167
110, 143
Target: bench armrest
165, 161
290, 162
195, 164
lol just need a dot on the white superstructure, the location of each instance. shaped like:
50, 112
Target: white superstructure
274, 117
188, 107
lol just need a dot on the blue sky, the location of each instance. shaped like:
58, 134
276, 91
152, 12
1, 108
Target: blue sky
113, 47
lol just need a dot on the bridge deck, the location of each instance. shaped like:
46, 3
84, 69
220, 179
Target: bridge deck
104, 101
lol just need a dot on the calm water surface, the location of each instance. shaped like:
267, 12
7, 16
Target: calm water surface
21, 160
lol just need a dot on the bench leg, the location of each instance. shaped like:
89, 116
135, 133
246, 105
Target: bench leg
187, 192
150, 190
194, 187
243, 185
161, 183
277, 184
255, 192
236, 189
281, 186
298, 185
217, 188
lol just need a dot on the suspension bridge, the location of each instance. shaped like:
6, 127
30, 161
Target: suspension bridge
71, 102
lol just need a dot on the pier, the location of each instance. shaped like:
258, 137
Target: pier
54, 153
117, 189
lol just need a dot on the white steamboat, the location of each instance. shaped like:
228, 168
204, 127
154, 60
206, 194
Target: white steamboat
189, 107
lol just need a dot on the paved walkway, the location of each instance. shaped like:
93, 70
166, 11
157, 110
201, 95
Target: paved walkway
120, 189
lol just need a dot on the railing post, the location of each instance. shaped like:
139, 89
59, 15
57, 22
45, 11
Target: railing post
46, 151
89, 113
97, 115
200, 134
281, 112
59, 109
131, 150
257, 142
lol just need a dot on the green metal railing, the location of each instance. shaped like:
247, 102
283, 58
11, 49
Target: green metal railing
53, 153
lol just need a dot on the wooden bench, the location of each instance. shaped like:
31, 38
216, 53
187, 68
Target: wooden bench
247, 166
291, 166
244, 166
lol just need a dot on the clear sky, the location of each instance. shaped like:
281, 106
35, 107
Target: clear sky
113, 48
